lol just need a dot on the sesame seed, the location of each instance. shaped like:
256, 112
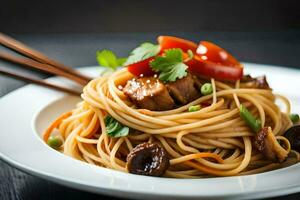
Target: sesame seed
155, 76
144, 93
120, 87
141, 75
148, 81
204, 57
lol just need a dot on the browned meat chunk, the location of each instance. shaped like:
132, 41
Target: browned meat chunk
149, 93
267, 144
258, 82
184, 90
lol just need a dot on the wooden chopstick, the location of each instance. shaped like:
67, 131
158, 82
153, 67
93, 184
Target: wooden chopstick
38, 56
27, 62
39, 82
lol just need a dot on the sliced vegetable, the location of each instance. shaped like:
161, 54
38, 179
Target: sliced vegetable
143, 52
55, 142
214, 70
141, 68
250, 120
170, 42
213, 53
294, 118
213, 61
107, 58
114, 128
206, 89
194, 108
170, 66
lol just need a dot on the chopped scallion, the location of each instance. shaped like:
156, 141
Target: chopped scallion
194, 108
206, 89
250, 120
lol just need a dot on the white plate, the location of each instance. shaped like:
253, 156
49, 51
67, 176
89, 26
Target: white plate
25, 112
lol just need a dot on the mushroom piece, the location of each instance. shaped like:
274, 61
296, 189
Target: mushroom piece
267, 144
258, 82
148, 159
293, 135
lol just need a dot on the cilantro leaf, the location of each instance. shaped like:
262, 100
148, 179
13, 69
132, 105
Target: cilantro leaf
121, 132
175, 55
107, 58
121, 61
144, 51
170, 66
114, 128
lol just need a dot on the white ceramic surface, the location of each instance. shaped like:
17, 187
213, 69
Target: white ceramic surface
25, 112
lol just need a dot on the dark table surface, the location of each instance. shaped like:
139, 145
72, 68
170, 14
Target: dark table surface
278, 48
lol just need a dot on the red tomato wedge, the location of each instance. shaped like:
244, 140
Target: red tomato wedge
213, 61
215, 70
213, 53
141, 67
209, 60
169, 42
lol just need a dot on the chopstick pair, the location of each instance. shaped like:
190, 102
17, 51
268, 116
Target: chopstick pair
37, 60
39, 82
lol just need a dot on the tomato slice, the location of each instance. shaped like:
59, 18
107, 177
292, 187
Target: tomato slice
209, 60
213, 61
141, 67
169, 42
213, 53
214, 70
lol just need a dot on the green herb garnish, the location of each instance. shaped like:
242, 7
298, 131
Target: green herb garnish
115, 128
144, 51
107, 58
170, 65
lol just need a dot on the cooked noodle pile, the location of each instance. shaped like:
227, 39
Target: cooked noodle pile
213, 141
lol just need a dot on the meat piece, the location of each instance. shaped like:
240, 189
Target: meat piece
259, 82
184, 90
267, 144
148, 159
149, 93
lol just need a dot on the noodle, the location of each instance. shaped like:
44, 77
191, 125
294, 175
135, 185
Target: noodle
213, 141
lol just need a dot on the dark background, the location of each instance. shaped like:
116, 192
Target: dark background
71, 31
99, 16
